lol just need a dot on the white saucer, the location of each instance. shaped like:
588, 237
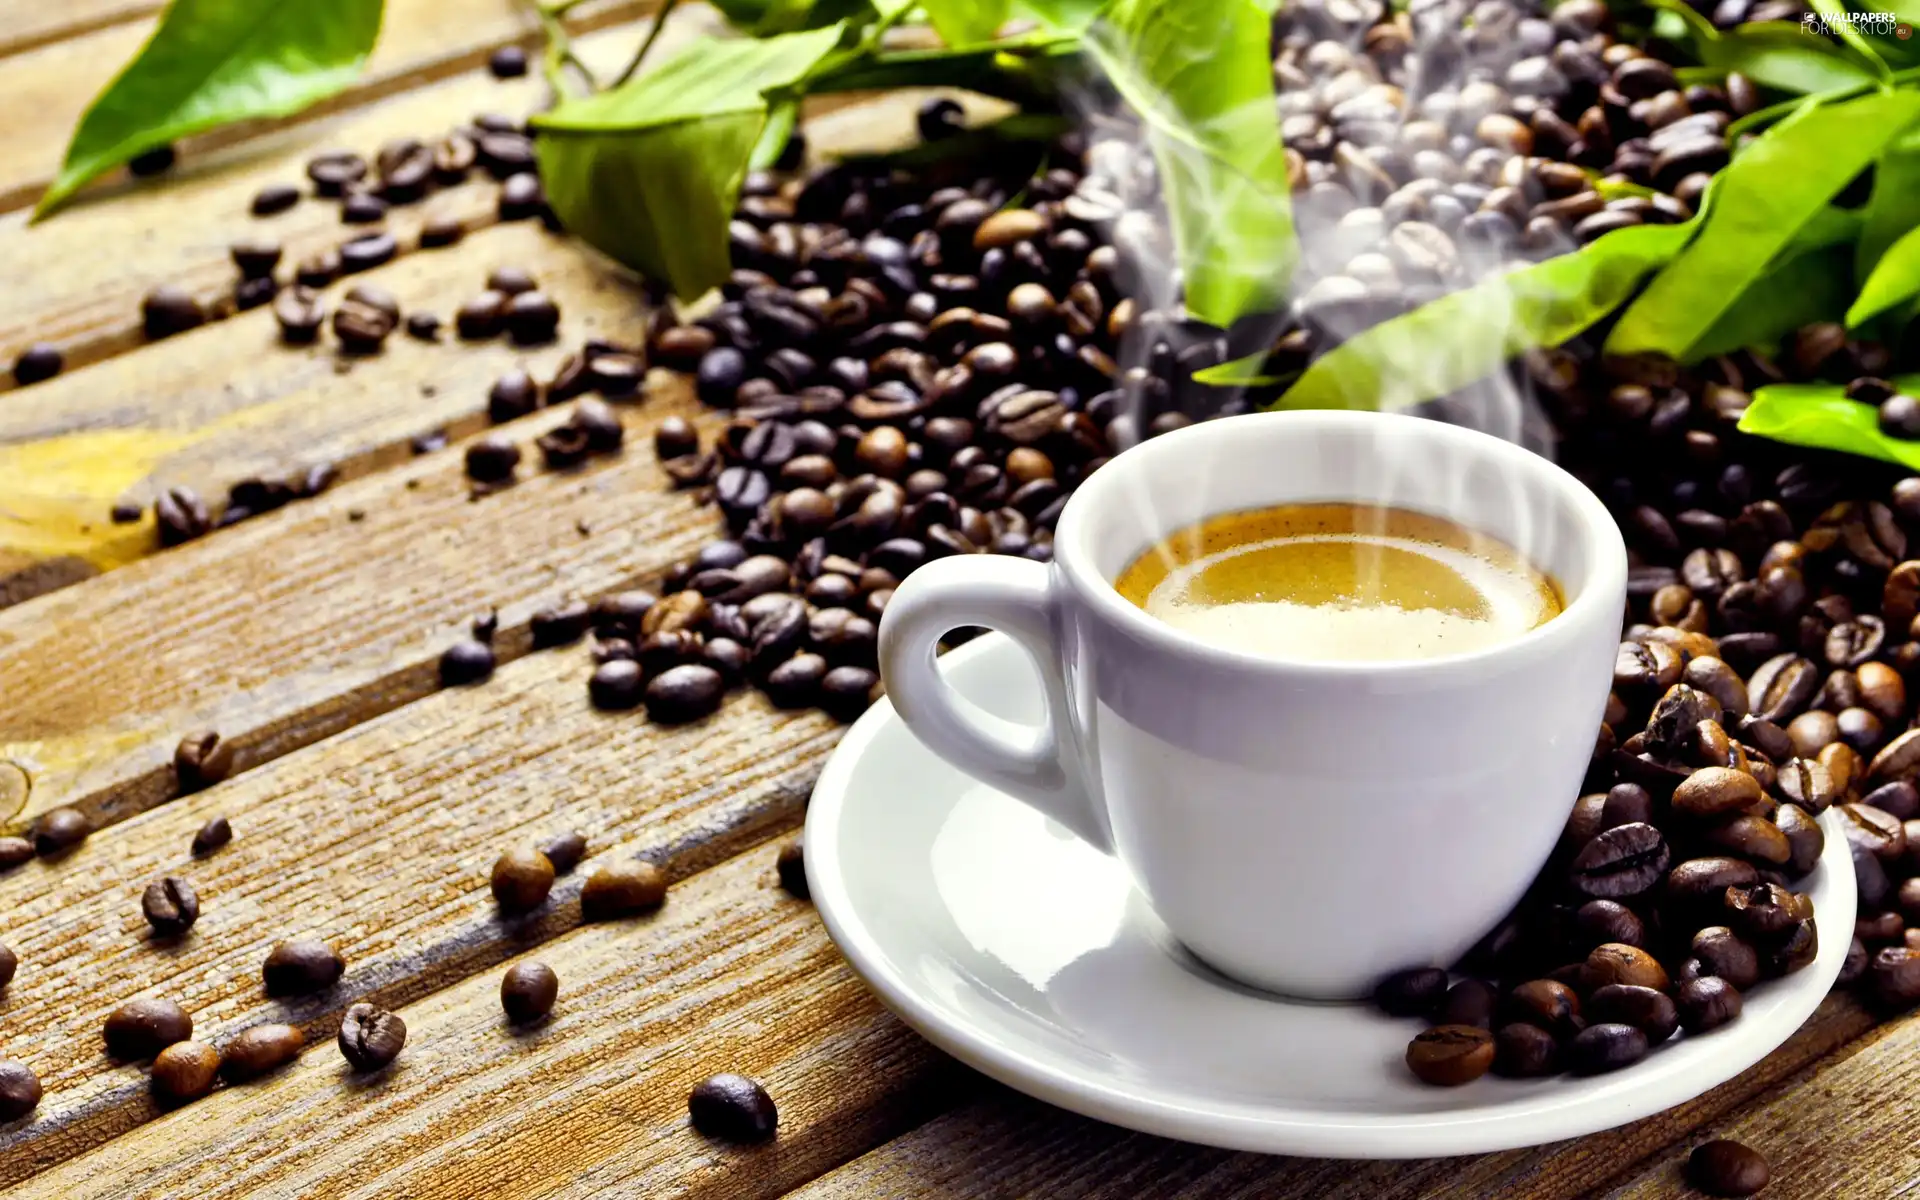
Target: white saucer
1029, 955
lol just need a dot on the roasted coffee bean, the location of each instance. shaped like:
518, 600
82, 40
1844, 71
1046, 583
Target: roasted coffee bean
1624, 861
1551, 1005
1599, 921
367, 251
318, 269
59, 830
171, 906
300, 313
684, 693
1873, 830
1900, 800
362, 208
621, 890
521, 196
1706, 1003
1676, 715
1755, 839
334, 171
370, 1037
532, 318
14, 851
260, 1050
617, 684
38, 362
564, 851
1415, 992
1893, 977
1806, 783
845, 692
465, 662
1763, 913
1792, 951
482, 317
1854, 967
202, 759
301, 967
180, 516
1607, 1046
795, 683
185, 1071
527, 992
1644, 1008
1727, 1168
791, 866
169, 309
274, 198
9, 963
512, 395
732, 1108
211, 836
1703, 882
675, 437
522, 878
1870, 882
508, 62
1468, 1002
423, 327
1613, 962
492, 459
1715, 792
1522, 1051
255, 257
1782, 687
1724, 954
1451, 1055
367, 316
562, 625
1720, 681
20, 1090
144, 1027
683, 611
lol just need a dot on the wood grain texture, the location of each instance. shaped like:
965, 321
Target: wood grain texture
229, 401
380, 842
1847, 1127
76, 280
1006, 1146
290, 627
420, 41
25, 24
730, 975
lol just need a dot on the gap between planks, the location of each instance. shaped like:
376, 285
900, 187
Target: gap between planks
421, 41
29, 24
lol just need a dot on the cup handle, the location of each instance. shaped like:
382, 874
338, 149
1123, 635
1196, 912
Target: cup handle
1013, 596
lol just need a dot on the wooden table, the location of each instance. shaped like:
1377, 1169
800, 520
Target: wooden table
371, 804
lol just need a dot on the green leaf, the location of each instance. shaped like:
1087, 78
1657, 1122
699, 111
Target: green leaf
1021, 71
649, 172
1805, 287
1894, 281
1778, 54
1460, 338
1783, 180
1240, 373
212, 63
1893, 209
966, 22
1067, 16
1820, 416
775, 135
1200, 78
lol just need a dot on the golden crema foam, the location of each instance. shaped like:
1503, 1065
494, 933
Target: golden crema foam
1340, 582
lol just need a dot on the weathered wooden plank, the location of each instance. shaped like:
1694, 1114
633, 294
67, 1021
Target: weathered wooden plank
77, 280
226, 402
291, 627
25, 24
1007, 1146
421, 41
1847, 1127
379, 841
731, 975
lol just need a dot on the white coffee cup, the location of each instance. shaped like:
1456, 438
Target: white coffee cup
1304, 827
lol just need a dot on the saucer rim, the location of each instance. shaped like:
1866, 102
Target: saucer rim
1289, 1130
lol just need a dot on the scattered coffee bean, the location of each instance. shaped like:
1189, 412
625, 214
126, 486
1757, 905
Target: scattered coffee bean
508, 62
1615, 963
466, 662
14, 851
180, 516
511, 281
684, 693
732, 1108
142, 1028
1468, 1002
791, 864
521, 196
211, 836
617, 685
482, 317
171, 906
274, 198
262, 1049
168, 310
59, 830
157, 161
564, 851
1605, 1047
9, 963
1651, 1012
561, 625
521, 880
38, 362
301, 967
1893, 977
371, 1037
332, 172
202, 759
622, 890
1727, 1168
367, 251
1450, 1055
531, 318
300, 313
1522, 1051
527, 992
492, 459
19, 1089
185, 1071
367, 316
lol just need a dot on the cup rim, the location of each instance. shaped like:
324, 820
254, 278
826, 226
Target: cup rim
1073, 555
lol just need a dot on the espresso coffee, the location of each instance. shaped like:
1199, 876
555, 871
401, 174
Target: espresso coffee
1340, 582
